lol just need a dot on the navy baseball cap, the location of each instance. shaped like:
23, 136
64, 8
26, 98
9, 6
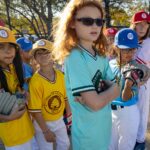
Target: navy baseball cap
126, 38
25, 44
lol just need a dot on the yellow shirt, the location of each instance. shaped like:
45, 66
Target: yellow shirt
19, 131
47, 97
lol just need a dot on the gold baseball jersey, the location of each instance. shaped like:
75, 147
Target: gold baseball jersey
47, 97
18, 131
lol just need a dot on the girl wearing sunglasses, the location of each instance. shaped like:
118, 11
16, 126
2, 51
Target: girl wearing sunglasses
140, 23
80, 43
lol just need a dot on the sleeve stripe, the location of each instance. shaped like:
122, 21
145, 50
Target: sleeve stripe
83, 87
34, 110
77, 91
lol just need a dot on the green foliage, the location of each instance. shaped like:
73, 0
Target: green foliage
36, 16
121, 11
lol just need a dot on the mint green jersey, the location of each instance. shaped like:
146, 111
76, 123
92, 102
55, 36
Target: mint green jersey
91, 130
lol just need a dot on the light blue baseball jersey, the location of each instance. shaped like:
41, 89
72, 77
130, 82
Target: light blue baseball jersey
90, 130
119, 101
27, 73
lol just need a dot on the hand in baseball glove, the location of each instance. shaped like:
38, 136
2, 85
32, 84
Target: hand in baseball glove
9, 102
103, 85
135, 72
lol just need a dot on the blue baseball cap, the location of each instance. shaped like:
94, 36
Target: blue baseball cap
25, 44
126, 38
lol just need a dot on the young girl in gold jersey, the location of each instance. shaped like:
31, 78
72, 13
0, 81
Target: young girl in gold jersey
16, 130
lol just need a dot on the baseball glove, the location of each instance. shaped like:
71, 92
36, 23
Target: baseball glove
136, 72
103, 85
8, 102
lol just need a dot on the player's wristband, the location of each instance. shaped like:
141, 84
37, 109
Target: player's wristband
69, 117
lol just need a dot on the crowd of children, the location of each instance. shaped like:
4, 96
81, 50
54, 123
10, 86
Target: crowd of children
107, 110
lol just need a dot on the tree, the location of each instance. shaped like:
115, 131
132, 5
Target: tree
36, 14
119, 12
7, 4
106, 4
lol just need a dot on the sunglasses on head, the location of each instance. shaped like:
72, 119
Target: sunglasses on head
90, 21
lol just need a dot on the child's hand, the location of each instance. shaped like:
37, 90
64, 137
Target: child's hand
49, 136
16, 113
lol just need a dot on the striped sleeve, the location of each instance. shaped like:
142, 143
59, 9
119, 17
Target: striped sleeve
78, 74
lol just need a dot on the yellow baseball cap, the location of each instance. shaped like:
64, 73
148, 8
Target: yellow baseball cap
7, 36
41, 44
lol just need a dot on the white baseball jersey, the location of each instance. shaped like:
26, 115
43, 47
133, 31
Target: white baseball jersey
143, 56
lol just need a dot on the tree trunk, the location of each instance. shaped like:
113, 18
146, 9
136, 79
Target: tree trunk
7, 3
107, 13
49, 21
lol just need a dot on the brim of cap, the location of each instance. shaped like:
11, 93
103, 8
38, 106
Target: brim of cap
127, 47
32, 52
12, 43
141, 21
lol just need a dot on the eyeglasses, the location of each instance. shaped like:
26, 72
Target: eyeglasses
90, 21
42, 52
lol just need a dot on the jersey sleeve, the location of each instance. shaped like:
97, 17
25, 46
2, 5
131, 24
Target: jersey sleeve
77, 73
108, 72
35, 102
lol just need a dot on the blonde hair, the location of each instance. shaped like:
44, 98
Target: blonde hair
65, 37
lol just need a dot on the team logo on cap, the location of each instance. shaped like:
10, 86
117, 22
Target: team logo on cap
143, 15
130, 36
41, 43
3, 34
